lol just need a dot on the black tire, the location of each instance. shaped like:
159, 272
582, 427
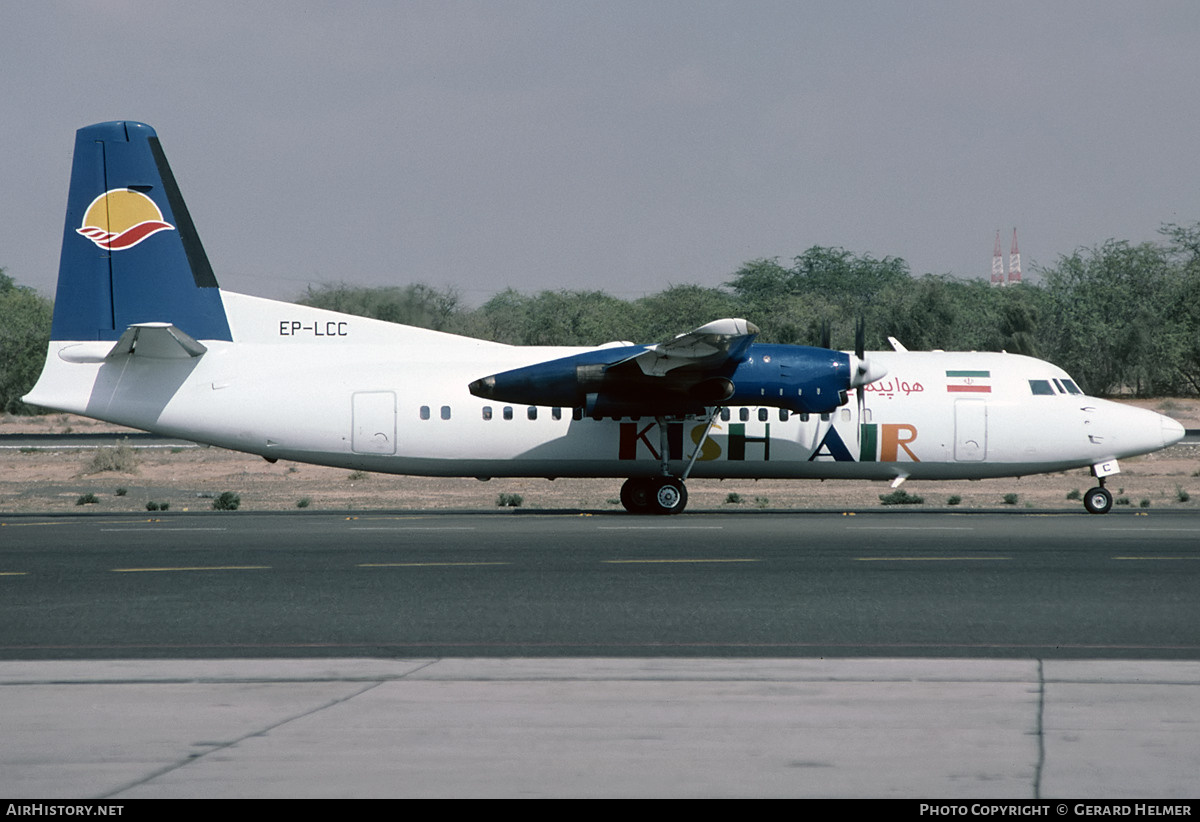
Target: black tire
670, 496
1098, 501
637, 495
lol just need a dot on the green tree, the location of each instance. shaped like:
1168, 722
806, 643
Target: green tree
415, 304
678, 309
24, 338
1183, 302
1108, 320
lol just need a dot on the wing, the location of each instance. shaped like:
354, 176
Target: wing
716, 364
709, 346
681, 375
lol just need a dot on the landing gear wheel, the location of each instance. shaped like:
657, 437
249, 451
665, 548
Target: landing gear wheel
670, 496
637, 495
1098, 501
654, 495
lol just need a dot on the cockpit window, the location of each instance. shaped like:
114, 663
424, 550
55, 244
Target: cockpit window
1041, 387
1072, 388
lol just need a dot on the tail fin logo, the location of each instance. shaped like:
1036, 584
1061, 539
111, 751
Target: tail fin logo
121, 218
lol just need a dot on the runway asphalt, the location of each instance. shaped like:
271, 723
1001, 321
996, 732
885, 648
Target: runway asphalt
1010, 655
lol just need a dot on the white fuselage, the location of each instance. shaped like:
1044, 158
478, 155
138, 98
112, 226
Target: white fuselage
304, 384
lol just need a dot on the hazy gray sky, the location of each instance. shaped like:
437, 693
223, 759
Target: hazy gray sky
622, 146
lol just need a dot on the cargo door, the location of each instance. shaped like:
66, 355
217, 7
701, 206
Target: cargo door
970, 430
373, 423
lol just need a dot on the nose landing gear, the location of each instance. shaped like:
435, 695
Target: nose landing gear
1098, 500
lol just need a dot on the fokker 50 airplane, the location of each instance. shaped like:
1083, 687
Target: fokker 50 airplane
143, 336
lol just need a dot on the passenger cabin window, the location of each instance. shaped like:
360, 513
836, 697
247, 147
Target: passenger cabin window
445, 412
531, 412
508, 412
1041, 387
487, 412
726, 414
762, 414
424, 412
744, 414
556, 413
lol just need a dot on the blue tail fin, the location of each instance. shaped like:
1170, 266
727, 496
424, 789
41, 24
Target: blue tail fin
130, 253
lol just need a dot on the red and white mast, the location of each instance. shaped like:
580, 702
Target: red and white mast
1014, 261
997, 263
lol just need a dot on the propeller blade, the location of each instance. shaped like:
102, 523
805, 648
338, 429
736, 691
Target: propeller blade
860, 395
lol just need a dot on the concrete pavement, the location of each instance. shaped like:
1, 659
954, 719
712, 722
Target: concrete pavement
918, 728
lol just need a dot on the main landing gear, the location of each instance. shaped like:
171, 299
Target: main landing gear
654, 495
663, 494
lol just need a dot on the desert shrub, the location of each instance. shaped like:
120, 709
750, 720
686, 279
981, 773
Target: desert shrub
509, 501
901, 497
121, 458
227, 501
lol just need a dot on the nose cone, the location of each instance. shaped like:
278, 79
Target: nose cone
1126, 430
1172, 430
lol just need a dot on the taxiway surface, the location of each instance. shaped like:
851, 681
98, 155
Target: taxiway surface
812, 584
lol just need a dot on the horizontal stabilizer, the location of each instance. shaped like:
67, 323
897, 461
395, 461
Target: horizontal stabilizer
161, 341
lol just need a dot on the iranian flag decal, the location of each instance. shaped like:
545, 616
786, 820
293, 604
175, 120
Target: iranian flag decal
969, 382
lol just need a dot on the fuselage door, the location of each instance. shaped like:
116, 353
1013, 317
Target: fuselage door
970, 430
373, 423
